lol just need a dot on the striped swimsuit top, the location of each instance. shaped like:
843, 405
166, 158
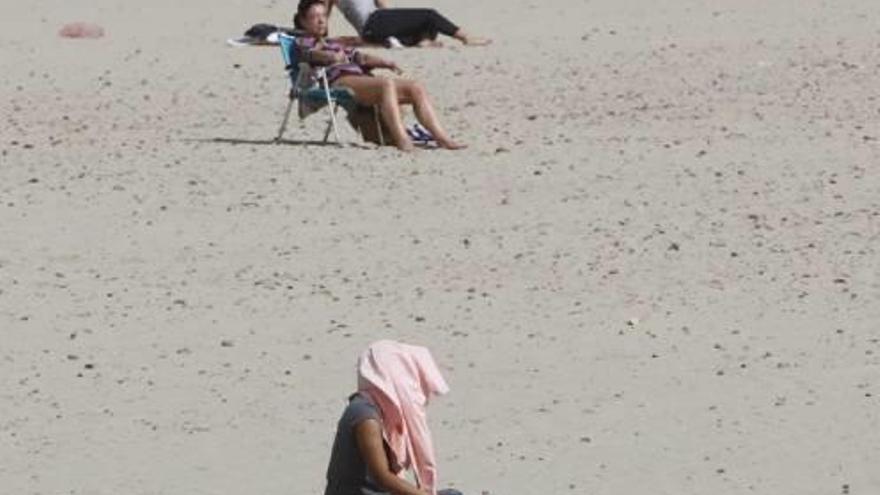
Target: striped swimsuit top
308, 46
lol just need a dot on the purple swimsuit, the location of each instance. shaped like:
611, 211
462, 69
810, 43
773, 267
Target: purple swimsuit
309, 45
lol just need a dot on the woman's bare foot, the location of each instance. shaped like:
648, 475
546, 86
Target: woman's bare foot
450, 144
406, 146
468, 40
476, 41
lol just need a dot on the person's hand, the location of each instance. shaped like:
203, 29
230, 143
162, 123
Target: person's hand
395, 68
340, 57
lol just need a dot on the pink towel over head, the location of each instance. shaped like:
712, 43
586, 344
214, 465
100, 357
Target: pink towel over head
400, 379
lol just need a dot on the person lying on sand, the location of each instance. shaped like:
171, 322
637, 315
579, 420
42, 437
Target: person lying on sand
384, 428
376, 22
350, 68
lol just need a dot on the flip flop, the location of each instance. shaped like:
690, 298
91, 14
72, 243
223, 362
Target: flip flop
419, 134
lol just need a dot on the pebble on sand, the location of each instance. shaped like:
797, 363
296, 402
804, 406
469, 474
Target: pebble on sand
81, 30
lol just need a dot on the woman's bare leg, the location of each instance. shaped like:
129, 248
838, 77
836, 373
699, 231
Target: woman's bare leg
429, 43
380, 91
414, 92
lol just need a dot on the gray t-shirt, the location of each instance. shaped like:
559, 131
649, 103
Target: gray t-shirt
347, 473
357, 12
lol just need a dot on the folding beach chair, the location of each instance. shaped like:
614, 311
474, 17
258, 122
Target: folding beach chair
311, 96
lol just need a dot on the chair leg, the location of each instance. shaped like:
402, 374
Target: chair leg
330, 126
330, 107
378, 125
284, 122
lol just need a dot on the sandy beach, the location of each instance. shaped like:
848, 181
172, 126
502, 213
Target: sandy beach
655, 270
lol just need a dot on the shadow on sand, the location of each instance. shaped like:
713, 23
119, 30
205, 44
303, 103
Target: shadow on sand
281, 142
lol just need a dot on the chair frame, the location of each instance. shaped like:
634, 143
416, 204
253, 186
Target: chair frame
287, 43
294, 67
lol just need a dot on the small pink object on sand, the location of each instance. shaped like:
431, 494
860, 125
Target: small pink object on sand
81, 30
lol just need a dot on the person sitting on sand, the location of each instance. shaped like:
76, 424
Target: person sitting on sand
384, 429
376, 22
350, 68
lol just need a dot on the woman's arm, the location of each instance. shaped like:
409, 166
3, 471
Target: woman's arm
383, 4
370, 444
315, 54
324, 57
374, 62
348, 41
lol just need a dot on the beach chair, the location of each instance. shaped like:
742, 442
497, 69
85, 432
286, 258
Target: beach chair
310, 96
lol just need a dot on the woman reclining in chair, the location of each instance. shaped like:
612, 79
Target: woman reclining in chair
350, 68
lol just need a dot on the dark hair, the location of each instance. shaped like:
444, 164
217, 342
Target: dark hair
302, 9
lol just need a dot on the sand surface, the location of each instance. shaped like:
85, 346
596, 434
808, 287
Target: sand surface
655, 271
